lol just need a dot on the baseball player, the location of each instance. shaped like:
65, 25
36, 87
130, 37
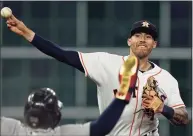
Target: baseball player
103, 67
42, 112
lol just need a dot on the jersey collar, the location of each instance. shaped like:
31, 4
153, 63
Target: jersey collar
154, 70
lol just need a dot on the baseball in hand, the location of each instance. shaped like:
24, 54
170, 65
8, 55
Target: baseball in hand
6, 12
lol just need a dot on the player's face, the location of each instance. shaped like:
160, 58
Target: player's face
141, 44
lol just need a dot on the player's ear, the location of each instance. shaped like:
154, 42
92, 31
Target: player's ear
155, 44
129, 41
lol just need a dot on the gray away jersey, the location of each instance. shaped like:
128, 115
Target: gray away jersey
13, 127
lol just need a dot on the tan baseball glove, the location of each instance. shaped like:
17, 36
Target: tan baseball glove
151, 101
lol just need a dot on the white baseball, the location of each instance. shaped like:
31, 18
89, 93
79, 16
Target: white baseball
6, 12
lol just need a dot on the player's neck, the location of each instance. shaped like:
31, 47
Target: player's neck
144, 64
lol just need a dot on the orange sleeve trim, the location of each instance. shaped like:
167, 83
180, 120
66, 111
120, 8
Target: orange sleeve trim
82, 62
178, 105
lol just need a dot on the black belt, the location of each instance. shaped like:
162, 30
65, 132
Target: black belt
150, 132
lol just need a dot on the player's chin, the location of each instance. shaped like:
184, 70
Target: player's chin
142, 55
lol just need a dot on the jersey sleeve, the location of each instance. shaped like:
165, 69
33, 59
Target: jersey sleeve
9, 126
97, 64
75, 130
174, 98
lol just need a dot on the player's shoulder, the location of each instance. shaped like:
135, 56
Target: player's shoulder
9, 126
74, 129
108, 57
109, 54
169, 76
9, 120
166, 75
67, 126
101, 54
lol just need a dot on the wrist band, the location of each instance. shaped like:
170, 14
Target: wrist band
168, 112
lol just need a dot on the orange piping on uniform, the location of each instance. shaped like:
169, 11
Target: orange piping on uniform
181, 105
82, 61
135, 108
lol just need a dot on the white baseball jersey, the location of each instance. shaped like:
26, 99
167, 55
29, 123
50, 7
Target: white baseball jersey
13, 127
103, 69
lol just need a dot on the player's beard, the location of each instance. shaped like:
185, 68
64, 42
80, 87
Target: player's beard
141, 53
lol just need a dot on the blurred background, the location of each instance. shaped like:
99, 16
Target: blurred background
90, 27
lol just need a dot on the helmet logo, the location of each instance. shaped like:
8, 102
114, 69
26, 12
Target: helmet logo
145, 24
